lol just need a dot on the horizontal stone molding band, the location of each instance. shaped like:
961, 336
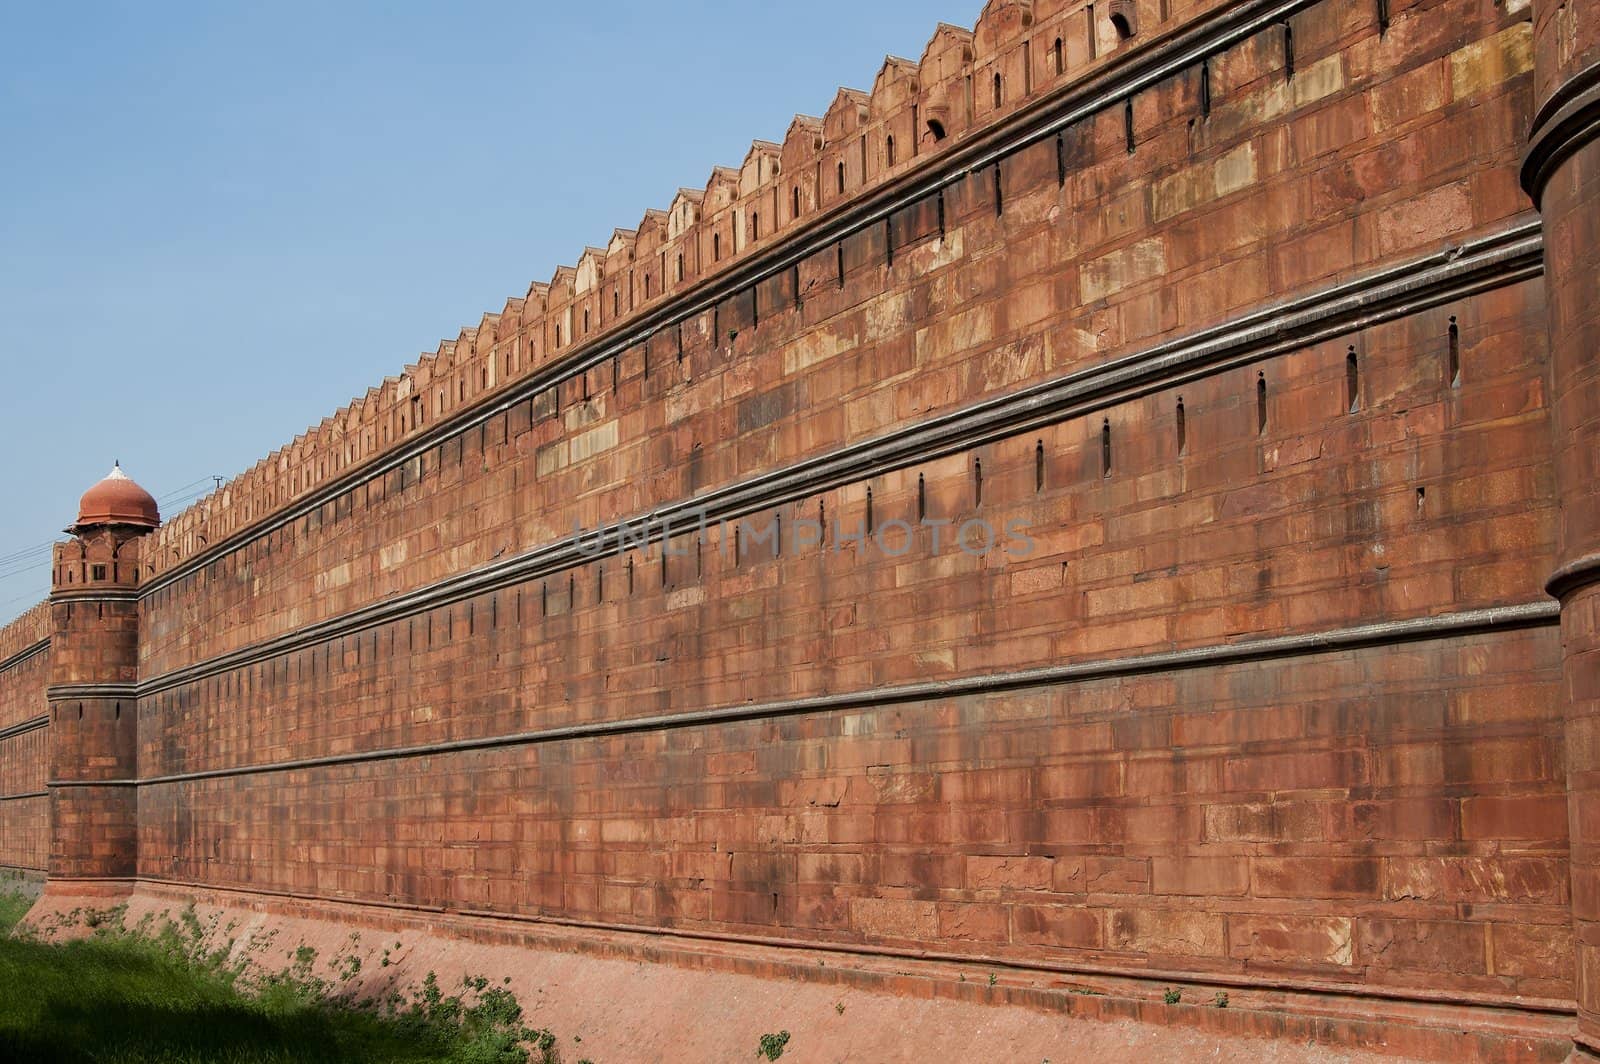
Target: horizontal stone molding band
31, 724
1122, 77
1454, 273
24, 794
1386, 633
1574, 576
91, 783
67, 692
94, 595
652, 937
1569, 119
23, 655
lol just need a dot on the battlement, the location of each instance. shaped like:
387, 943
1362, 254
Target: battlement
965, 82
30, 629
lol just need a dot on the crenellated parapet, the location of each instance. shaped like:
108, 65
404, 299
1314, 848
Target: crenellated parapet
915, 109
26, 632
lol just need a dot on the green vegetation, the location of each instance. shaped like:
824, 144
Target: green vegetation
13, 907
158, 997
771, 1046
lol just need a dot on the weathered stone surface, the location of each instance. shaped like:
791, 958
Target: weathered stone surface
1389, 813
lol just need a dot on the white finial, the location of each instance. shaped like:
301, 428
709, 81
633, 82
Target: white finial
116, 472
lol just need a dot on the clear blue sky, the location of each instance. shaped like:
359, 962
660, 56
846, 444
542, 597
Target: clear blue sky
218, 223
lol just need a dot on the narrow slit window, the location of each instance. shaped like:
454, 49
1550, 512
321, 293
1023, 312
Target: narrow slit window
1352, 381
1261, 404
1181, 423
795, 211
840, 172
869, 511
1105, 448
999, 92
1205, 88
977, 482
922, 498
888, 152
1455, 353
1038, 466
1058, 57
716, 247
1127, 123
1288, 50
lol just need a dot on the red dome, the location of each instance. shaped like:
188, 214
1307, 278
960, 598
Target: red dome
116, 500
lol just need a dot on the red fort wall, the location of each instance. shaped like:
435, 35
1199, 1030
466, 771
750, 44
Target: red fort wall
1238, 329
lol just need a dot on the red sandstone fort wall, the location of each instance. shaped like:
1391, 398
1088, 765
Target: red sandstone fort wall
1288, 184
1274, 693
24, 740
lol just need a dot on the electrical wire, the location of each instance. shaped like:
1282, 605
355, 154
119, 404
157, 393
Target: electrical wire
179, 491
32, 559
35, 567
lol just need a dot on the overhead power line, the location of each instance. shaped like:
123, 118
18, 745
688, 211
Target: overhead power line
25, 553
25, 569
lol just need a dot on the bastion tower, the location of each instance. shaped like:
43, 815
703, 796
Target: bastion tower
1561, 173
94, 666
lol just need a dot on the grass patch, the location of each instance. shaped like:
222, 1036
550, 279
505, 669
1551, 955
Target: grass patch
13, 907
126, 998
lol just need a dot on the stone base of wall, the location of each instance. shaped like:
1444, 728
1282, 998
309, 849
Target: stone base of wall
631, 996
17, 877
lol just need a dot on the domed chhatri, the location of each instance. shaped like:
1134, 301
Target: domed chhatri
117, 500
